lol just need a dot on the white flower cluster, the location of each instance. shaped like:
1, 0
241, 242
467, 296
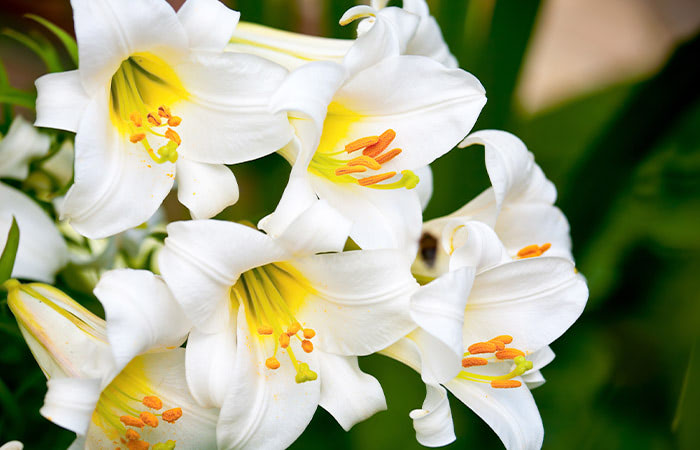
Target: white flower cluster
275, 316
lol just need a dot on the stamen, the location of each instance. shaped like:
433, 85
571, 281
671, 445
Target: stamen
174, 121
152, 402
474, 361
361, 143
265, 330
167, 445
368, 181
499, 345
135, 118
172, 415
505, 384
348, 170
384, 140
153, 119
309, 333
503, 338
164, 111
149, 419
131, 421
272, 363
388, 156
482, 347
284, 340
132, 435
307, 346
137, 445
366, 161
137, 137
509, 353
533, 250
293, 329
408, 180
173, 136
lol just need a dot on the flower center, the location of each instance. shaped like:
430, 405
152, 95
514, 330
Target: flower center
141, 90
501, 355
271, 294
128, 411
342, 169
533, 250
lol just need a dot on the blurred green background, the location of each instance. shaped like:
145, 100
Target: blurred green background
605, 93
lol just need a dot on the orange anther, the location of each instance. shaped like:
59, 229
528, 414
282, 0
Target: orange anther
135, 118
345, 170
503, 338
509, 353
284, 340
482, 347
499, 345
272, 363
384, 140
152, 402
361, 143
474, 361
149, 419
293, 329
388, 156
368, 181
132, 435
265, 330
137, 445
545, 247
173, 136
172, 415
307, 346
533, 250
137, 137
131, 421
366, 161
309, 333
164, 111
505, 384
153, 119
174, 121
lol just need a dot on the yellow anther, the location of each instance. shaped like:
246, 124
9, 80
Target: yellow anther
153, 119
153, 402
172, 415
272, 363
505, 384
293, 329
366, 161
509, 353
135, 118
131, 421
503, 338
137, 445
265, 330
132, 435
368, 181
474, 361
149, 419
482, 347
309, 333
388, 156
534, 250
345, 170
137, 137
173, 136
284, 340
384, 140
174, 121
499, 345
307, 346
361, 143
164, 111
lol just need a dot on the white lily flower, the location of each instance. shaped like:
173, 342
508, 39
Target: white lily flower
22, 143
42, 251
120, 382
278, 323
154, 93
12, 445
364, 128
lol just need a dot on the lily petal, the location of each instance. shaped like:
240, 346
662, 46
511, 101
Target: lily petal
69, 402
61, 100
206, 189
472, 244
425, 185
428, 40
20, 145
433, 422
208, 23
210, 361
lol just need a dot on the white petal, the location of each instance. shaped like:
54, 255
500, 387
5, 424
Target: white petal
210, 365
109, 31
208, 23
12, 445
297, 197
533, 378
21, 144
472, 244
349, 394
428, 40
406, 351
523, 224
70, 402
60, 165
360, 299
78, 444
41, 252
534, 300
438, 309
206, 189
226, 117
61, 101
277, 409
142, 314
433, 422
202, 259
117, 185
425, 185
511, 413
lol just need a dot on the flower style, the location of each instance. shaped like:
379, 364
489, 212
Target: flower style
278, 322
22, 143
155, 92
363, 131
102, 383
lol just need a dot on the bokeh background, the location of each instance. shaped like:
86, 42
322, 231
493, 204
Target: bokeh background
605, 93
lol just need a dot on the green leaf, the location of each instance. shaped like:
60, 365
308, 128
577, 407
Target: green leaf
7, 260
66, 39
43, 49
12, 96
